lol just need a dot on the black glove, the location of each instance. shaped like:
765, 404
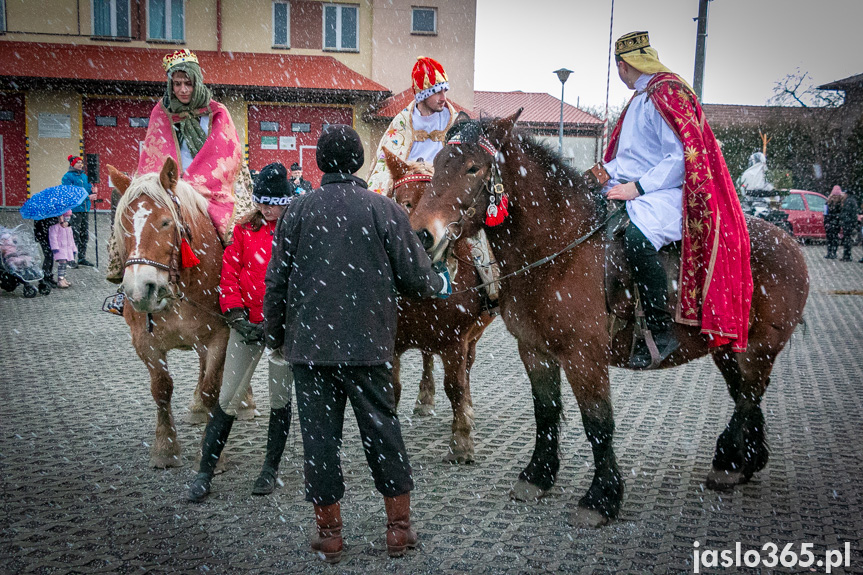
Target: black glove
239, 322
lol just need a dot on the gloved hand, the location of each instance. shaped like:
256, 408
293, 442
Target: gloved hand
443, 272
239, 322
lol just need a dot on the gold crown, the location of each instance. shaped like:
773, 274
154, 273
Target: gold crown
178, 57
631, 42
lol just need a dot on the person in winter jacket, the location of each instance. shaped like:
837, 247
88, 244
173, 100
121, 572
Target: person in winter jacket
848, 221
832, 224
244, 266
63, 247
340, 256
301, 185
80, 222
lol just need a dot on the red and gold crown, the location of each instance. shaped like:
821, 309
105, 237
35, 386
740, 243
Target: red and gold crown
428, 78
178, 57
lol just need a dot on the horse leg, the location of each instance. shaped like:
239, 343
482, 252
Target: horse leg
397, 377
247, 406
455, 384
540, 474
593, 392
425, 400
165, 451
741, 449
198, 413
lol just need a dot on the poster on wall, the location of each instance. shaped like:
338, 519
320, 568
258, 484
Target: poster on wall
269, 142
287, 142
55, 126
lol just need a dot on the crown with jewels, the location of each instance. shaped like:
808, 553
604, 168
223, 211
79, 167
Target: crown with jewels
178, 57
631, 42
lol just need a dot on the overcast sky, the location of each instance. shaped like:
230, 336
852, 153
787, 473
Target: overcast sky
750, 45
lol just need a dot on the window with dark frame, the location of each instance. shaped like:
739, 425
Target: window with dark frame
139, 122
269, 126
424, 20
281, 24
111, 18
106, 121
341, 27
166, 20
7, 116
301, 127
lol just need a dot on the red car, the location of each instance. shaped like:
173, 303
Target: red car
805, 213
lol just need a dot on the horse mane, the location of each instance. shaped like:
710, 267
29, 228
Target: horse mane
192, 204
419, 168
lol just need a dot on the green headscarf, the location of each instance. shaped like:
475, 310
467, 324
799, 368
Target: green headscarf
187, 116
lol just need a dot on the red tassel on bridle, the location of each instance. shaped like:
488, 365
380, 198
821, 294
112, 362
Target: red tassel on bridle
188, 259
496, 216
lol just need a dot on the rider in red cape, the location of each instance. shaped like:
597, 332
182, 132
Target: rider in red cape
715, 277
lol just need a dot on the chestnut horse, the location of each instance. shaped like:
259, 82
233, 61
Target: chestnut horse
557, 310
447, 327
170, 307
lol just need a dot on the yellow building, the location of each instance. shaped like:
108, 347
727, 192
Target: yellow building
80, 76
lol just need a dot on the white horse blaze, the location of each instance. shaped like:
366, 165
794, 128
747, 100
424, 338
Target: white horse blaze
138, 276
139, 219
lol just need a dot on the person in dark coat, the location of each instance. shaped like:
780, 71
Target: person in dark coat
340, 256
848, 221
301, 186
40, 232
832, 210
80, 214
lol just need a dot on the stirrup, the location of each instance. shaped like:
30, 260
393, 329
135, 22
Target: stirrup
115, 304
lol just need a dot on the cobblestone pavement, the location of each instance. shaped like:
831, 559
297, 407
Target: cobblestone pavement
77, 495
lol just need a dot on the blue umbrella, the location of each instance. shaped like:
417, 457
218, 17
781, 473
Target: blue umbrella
52, 202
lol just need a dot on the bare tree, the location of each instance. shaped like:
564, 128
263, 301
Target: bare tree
798, 89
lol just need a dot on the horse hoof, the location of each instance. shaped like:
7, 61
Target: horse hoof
524, 491
423, 410
721, 480
247, 413
197, 417
583, 517
165, 461
459, 458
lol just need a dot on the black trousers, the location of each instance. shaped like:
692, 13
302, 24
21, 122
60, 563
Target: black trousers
649, 275
40, 232
322, 393
80, 224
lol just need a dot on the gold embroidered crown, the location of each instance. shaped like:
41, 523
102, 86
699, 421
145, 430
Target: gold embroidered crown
630, 42
178, 57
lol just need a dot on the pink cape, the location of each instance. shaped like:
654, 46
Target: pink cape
212, 172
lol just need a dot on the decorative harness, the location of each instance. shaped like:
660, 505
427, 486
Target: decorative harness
411, 178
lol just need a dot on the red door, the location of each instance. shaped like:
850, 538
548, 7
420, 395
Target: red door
13, 151
289, 133
113, 130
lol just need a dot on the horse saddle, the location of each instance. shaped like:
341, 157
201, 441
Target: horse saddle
620, 290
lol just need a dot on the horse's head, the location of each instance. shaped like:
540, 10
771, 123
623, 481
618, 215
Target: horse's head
466, 172
148, 227
410, 180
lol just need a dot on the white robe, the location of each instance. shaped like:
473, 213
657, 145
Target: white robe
185, 154
428, 149
649, 152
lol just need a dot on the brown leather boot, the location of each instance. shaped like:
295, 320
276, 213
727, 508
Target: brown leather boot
400, 535
327, 542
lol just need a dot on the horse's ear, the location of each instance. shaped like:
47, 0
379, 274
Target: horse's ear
501, 128
398, 168
462, 117
120, 180
168, 176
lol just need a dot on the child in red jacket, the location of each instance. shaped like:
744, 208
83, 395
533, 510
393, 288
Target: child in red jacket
244, 267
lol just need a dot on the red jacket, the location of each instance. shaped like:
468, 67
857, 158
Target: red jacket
244, 267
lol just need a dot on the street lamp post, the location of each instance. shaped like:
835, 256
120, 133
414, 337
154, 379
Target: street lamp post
563, 76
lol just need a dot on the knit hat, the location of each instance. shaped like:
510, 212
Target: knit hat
339, 150
271, 186
295, 166
428, 78
73, 158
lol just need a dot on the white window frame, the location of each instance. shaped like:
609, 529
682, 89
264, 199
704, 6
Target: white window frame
113, 4
168, 22
424, 32
287, 5
340, 8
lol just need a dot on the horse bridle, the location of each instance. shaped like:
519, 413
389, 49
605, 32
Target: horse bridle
181, 230
493, 185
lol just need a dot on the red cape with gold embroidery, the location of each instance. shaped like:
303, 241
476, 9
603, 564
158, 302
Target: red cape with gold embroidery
715, 275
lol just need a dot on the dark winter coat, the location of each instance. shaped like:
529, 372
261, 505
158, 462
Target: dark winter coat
340, 256
848, 216
832, 212
304, 187
75, 178
244, 267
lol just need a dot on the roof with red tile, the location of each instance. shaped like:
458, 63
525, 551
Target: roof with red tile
539, 108
230, 69
388, 109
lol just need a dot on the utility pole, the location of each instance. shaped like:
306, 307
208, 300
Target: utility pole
700, 48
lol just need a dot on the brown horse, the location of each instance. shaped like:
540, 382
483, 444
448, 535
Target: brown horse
449, 327
557, 311
171, 307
